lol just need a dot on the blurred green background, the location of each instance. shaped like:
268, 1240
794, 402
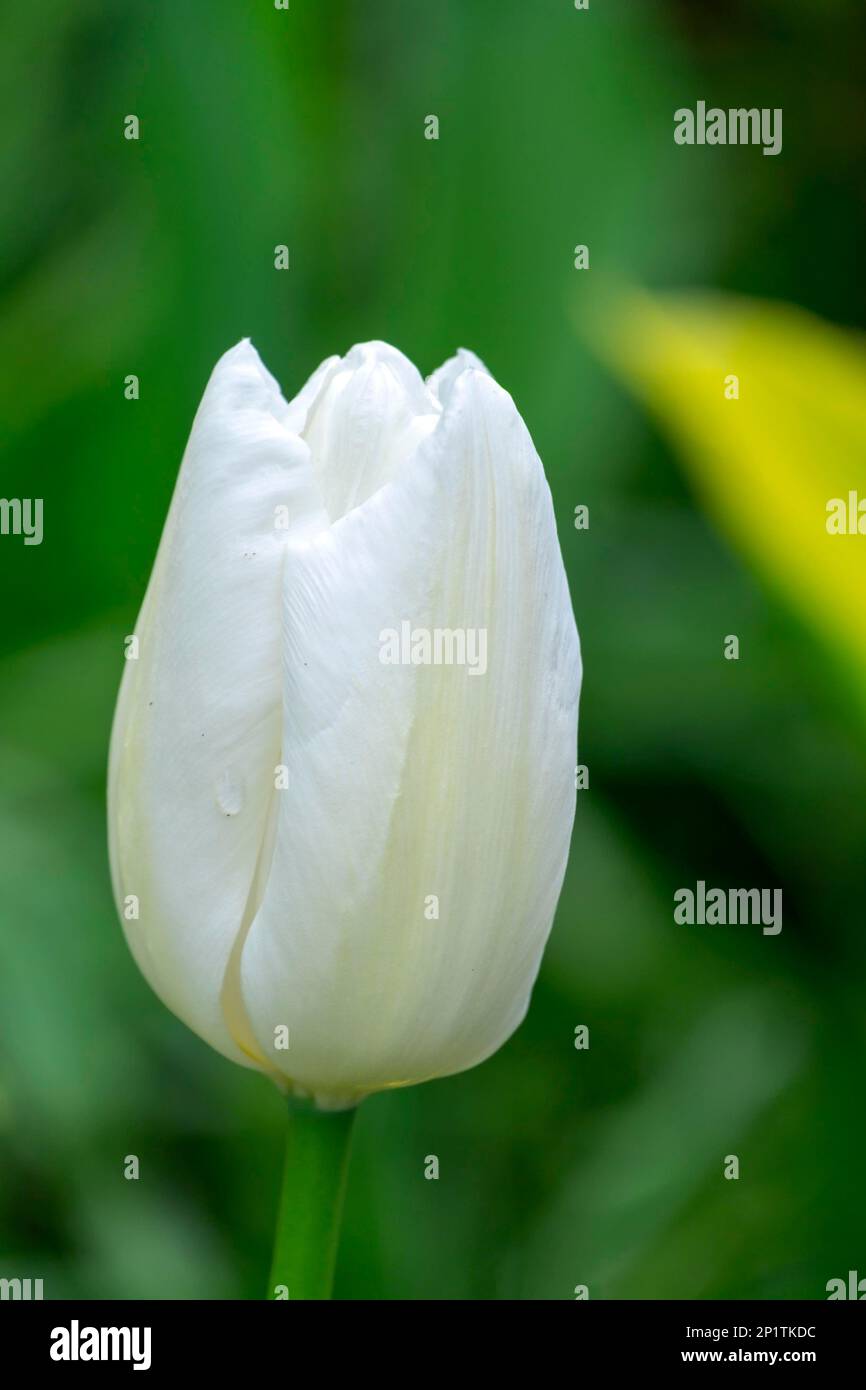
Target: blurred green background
259, 126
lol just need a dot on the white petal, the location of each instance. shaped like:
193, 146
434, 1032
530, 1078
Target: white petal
198, 726
369, 415
411, 781
441, 383
297, 412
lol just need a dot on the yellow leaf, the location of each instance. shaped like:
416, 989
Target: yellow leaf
768, 462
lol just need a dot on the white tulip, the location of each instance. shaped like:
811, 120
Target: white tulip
346, 864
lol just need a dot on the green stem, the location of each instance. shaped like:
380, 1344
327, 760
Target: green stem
311, 1202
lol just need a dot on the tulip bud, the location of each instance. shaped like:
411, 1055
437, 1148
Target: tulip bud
341, 781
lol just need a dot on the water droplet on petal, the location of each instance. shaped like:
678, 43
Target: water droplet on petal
229, 792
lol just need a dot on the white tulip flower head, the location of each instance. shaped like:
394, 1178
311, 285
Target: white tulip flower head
341, 780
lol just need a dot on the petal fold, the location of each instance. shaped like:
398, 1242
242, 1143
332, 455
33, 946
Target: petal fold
371, 413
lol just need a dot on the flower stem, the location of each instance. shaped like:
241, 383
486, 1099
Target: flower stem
311, 1202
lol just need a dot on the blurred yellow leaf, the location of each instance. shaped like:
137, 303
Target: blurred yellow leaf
768, 407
